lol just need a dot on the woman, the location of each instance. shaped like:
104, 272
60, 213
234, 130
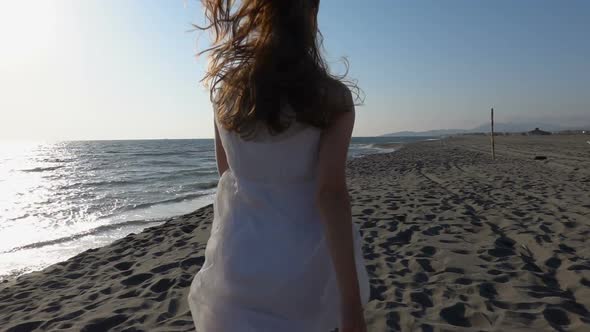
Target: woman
283, 253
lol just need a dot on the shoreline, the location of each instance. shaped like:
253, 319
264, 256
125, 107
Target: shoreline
452, 240
104, 231
134, 225
57, 229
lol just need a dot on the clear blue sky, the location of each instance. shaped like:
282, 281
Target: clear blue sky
116, 69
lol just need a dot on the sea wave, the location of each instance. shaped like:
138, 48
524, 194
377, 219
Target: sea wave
393, 145
147, 178
41, 169
112, 226
101, 183
177, 199
388, 145
58, 160
187, 174
93, 231
158, 154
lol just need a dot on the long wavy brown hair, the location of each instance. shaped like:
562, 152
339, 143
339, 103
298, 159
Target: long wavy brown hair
266, 54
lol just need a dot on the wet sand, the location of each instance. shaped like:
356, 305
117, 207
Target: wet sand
452, 240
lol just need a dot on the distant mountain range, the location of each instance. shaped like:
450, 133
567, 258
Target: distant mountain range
498, 127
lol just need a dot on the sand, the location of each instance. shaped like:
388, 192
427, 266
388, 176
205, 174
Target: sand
453, 241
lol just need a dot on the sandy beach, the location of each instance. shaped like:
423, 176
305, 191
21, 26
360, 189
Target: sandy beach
453, 241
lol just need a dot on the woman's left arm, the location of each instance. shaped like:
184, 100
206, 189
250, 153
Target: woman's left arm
220, 156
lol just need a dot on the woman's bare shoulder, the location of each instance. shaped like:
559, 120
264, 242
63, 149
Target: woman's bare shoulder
339, 95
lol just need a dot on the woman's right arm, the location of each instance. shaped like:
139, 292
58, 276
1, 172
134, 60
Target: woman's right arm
334, 205
220, 156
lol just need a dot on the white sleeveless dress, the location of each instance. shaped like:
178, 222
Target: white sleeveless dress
267, 265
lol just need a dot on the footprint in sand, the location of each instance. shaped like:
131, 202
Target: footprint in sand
123, 266
556, 317
27, 326
164, 268
104, 324
455, 315
136, 279
428, 251
162, 285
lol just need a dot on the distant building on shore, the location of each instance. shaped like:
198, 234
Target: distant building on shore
538, 131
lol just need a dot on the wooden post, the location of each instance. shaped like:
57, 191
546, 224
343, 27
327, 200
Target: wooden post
493, 142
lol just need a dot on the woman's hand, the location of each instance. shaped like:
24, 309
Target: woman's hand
353, 319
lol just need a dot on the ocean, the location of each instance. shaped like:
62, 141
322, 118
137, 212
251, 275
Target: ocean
61, 198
